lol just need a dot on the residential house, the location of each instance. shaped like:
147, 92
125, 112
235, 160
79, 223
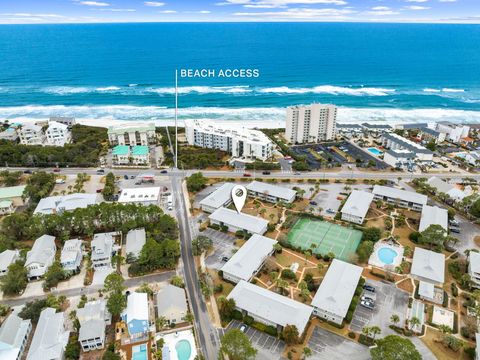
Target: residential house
136, 315
93, 319
61, 203
102, 250
270, 308
356, 207
249, 259
31, 134
235, 221
474, 268
71, 255
14, 334
433, 215
333, 297
131, 135
50, 338
57, 134
7, 258
271, 193
135, 241
171, 304
41, 257
6, 207
400, 198
15, 194
442, 186
428, 268
220, 197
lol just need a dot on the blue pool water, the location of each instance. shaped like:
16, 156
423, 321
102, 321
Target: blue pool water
387, 255
374, 151
184, 350
139, 352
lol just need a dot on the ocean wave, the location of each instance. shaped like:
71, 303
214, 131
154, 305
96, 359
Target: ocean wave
200, 90
108, 88
332, 90
448, 90
265, 116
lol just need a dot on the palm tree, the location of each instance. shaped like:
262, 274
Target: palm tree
395, 319
366, 331
161, 322
282, 285
375, 330
307, 352
414, 321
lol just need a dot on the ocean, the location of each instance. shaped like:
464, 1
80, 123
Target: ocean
100, 73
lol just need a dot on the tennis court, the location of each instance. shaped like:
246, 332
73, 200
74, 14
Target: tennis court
323, 237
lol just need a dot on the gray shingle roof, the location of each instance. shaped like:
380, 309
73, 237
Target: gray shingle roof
171, 299
428, 265
433, 215
135, 241
41, 251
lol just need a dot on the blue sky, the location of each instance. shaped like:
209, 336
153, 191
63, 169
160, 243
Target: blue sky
93, 11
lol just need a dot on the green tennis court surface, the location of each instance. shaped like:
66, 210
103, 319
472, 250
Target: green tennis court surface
323, 237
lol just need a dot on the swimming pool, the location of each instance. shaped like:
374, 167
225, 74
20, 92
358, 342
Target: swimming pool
375, 151
184, 349
387, 255
139, 352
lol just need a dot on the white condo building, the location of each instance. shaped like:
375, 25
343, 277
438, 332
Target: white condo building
311, 124
57, 134
132, 135
240, 143
31, 134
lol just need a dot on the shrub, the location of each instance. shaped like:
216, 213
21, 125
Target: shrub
364, 340
352, 335
237, 315
288, 274
248, 320
454, 289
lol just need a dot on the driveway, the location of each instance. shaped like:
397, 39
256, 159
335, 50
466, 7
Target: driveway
327, 345
468, 231
389, 300
223, 245
269, 347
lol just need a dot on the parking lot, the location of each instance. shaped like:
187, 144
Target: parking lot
327, 345
269, 347
224, 247
389, 300
327, 197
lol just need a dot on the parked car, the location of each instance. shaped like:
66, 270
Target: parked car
296, 173
369, 288
313, 203
27, 172
56, 170
455, 230
163, 172
132, 177
125, 177
243, 328
331, 211
454, 222
60, 181
266, 172
247, 175
225, 259
100, 171
366, 298
367, 304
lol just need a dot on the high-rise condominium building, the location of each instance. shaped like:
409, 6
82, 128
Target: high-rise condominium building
311, 124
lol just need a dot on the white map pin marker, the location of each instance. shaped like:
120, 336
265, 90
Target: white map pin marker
239, 195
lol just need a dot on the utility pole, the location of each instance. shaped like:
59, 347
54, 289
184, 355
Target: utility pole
176, 116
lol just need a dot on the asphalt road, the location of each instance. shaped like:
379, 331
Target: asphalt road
137, 281
207, 334
340, 174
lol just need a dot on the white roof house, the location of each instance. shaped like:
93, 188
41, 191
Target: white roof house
171, 303
428, 266
219, 198
272, 193
404, 198
93, 318
141, 195
58, 204
57, 134
7, 258
102, 249
433, 215
71, 255
50, 338
136, 314
269, 306
135, 241
248, 259
336, 291
41, 256
443, 187
14, 334
239, 221
356, 207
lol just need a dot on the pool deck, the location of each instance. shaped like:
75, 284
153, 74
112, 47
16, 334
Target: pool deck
127, 348
375, 260
173, 338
